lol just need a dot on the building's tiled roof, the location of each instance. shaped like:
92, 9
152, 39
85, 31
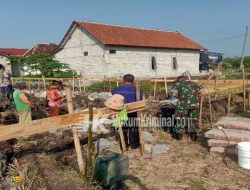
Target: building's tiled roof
137, 37
42, 49
12, 51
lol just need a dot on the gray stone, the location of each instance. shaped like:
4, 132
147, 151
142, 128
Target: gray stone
148, 148
159, 149
93, 96
148, 137
104, 145
105, 95
102, 95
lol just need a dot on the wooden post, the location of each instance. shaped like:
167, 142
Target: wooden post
110, 87
73, 84
44, 84
210, 107
200, 115
38, 85
79, 84
74, 131
244, 90
229, 102
138, 98
155, 89
243, 70
104, 83
123, 145
117, 83
248, 97
166, 85
29, 87
89, 163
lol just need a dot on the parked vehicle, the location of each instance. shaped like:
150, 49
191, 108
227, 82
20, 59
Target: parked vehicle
207, 59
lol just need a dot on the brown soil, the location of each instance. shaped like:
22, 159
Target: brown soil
52, 163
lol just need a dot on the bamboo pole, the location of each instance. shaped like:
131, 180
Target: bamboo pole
200, 115
89, 160
104, 83
110, 87
210, 108
73, 84
138, 98
166, 85
123, 145
155, 89
74, 131
29, 87
79, 84
117, 83
244, 88
229, 102
38, 86
44, 83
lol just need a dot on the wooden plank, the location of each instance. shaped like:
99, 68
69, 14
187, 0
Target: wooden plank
42, 125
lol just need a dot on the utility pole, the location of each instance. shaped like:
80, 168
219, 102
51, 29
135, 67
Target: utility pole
242, 67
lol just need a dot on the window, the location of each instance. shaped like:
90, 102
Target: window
86, 53
112, 51
174, 63
153, 63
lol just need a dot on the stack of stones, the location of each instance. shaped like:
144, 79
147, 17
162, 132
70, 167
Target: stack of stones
229, 132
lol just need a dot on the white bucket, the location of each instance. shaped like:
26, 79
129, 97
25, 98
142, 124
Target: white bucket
243, 150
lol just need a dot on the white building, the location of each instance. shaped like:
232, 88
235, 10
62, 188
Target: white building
99, 50
5, 61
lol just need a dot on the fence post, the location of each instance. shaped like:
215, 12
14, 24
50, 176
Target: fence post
74, 131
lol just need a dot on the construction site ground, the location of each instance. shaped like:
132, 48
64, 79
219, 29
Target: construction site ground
48, 160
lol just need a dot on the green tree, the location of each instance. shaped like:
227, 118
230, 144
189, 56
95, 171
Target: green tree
43, 65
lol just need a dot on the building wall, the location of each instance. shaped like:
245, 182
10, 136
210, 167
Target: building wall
136, 61
4, 61
73, 54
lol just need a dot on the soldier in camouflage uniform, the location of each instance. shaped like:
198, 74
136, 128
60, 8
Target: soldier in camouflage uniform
187, 108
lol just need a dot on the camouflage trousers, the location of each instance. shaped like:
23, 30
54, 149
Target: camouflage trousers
186, 119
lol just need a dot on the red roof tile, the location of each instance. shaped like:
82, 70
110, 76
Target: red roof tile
12, 51
138, 37
42, 49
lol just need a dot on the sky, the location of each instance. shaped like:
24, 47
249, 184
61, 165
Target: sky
219, 25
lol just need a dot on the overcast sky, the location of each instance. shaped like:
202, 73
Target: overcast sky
219, 25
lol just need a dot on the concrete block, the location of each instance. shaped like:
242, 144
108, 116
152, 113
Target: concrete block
228, 135
159, 149
148, 148
222, 143
228, 151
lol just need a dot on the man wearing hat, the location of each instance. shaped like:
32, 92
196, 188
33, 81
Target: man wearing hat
187, 108
23, 105
130, 128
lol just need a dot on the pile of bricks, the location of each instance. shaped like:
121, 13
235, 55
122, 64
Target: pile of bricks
230, 131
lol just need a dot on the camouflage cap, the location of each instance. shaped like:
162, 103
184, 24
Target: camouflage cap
186, 74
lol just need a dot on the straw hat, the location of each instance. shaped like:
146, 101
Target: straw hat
115, 102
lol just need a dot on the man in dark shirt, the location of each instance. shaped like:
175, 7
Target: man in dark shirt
130, 128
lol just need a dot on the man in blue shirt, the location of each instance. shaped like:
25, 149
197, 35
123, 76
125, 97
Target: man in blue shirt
130, 128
